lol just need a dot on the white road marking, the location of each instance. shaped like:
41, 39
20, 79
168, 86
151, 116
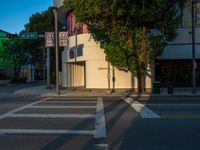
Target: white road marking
100, 125
52, 115
42, 131
73, 98
141, 109
60, 107
54, 101
19, 109
151, 104
105, 146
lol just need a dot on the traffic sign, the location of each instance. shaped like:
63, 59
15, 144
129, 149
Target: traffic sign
63, 39
28, 35
49, 39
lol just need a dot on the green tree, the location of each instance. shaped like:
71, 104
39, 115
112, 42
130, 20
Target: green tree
125, 26
16, 53
40, 23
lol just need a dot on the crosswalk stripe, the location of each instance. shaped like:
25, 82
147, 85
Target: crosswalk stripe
141, 109
42, 131
100, 124
72, 107
53, 115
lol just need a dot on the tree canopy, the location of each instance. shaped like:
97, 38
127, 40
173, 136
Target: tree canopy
125, 27
16, 53
40, 23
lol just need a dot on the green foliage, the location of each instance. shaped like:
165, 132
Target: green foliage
16, 53
125, 27
19, 80
40, 23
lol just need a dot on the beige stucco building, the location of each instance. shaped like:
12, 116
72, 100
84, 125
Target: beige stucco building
90, 68
84, 62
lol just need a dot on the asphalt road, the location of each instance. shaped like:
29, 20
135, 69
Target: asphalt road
155, 123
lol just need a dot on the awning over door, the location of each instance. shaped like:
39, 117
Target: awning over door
179, 52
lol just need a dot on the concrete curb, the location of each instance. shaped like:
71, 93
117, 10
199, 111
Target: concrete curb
43, 91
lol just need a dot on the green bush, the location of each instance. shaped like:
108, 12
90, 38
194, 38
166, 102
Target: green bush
19, 80
156, 87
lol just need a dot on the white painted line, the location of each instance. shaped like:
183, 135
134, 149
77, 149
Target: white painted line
53, 115
74, 107
105, 146
151, 104
42, 131
72, 98
141, 109
69, 101
10, 113
100, 124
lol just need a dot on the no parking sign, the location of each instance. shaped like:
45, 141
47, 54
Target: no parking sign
63, 39
50, 39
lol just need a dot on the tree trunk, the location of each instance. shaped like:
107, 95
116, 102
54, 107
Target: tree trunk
141, 83
16, 72
143, 62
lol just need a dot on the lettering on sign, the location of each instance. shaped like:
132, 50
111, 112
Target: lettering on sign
102, 68
49, 39
63, 39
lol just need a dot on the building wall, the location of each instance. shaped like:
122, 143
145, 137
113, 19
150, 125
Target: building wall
91, 69
181, 47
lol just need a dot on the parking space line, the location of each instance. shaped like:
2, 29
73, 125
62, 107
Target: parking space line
42, 131
52, 115
10, 113
141, 109
73, 107
100, 125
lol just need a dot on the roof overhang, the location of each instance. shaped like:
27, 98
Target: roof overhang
183, 51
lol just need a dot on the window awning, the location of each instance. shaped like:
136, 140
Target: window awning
179, 52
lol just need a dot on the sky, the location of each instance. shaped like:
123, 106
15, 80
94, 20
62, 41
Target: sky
14, 14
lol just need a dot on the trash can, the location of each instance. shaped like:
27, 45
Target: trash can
170, 88
156, 87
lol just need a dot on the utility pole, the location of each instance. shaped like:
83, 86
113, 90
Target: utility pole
75, 52
44, 65
48, 68
56, 51
108, 76
113, 78
193, 49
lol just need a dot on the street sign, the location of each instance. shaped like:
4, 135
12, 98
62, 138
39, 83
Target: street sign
63, 39
28, 35
49, 39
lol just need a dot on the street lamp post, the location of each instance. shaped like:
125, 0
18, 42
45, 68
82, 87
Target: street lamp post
56, 51
193, 49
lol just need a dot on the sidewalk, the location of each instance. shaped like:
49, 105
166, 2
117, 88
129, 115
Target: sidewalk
42, 90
